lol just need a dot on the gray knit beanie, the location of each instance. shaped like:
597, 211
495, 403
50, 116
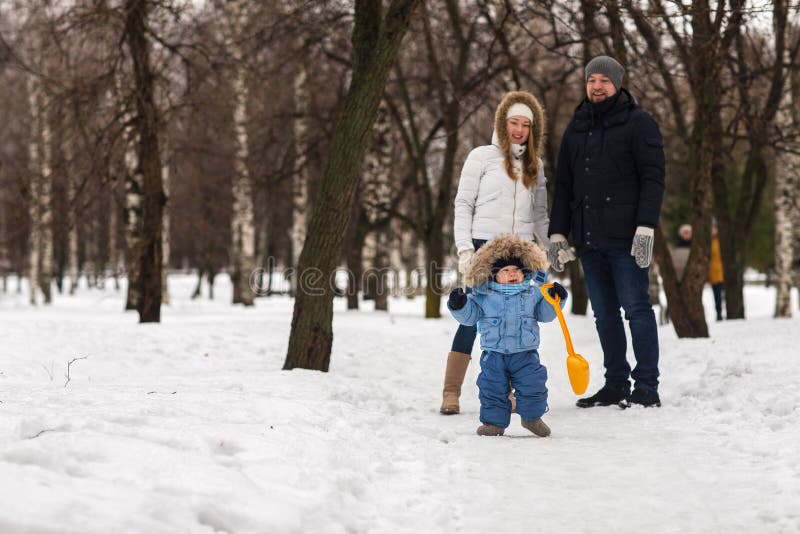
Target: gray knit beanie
607, 66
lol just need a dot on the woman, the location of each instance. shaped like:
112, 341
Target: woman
502, 190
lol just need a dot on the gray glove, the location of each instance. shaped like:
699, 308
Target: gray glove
642, 246
559, 252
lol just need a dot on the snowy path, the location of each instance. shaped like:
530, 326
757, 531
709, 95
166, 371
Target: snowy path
190, 426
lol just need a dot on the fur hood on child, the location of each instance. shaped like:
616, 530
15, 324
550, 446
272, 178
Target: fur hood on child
505, 246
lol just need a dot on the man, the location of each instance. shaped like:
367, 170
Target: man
609, 187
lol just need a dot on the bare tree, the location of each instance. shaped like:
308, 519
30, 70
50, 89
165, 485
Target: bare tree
377, 196
146, 124
787, 199
34, 155
301, 175
41, 162
243, 223
376, 40
759, 85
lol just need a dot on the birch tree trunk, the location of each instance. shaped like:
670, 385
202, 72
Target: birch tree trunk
376, 40
242, 220
133, 208
46, 199
149, 161
787, 205
300, 179
72, 208
34, 161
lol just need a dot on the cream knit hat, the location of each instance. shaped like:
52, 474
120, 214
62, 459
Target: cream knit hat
519, 110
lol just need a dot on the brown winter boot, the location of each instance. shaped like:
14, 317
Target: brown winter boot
457, 363
537, 426
490, 430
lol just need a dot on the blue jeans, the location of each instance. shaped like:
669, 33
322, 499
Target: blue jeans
465, 335
717, 289
614, 281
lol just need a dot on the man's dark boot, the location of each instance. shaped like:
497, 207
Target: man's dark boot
642, 397
605, 397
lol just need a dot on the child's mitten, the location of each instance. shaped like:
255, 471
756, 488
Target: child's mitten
557, 289
458, 299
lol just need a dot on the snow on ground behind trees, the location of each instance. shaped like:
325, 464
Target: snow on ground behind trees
191, 426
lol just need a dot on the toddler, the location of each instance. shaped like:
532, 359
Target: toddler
508, 307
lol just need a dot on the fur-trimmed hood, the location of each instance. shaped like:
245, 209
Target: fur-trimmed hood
505, 246
537, 125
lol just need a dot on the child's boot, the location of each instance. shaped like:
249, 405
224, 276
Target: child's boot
457, 363
537, 426
490, 430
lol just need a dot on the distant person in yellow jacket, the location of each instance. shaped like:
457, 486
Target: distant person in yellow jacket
715, 276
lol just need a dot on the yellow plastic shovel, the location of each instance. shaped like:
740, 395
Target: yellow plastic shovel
577, 366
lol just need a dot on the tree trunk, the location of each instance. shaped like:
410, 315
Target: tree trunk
72, 211
46, 200
243, 221
34, 158
210, 277
354, 255
578, 292
380, 264
300, 178
434, 287
113, 246
679, 305
684, 297
198, 289
589, 8
377, 198
133, 213
787, 204
376, 42
449, 98
4, 249
748, 190
149, 162
265, 261
165, 231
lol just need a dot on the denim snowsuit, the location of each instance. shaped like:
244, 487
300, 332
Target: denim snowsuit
509, 329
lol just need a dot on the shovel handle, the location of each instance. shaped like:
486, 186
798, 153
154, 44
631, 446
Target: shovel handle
555, 301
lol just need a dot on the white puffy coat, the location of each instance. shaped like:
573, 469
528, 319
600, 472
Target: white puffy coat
489, 203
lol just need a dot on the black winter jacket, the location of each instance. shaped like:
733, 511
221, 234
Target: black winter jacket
610, 175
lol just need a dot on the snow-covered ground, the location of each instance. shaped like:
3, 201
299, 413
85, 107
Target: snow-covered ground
191, 426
